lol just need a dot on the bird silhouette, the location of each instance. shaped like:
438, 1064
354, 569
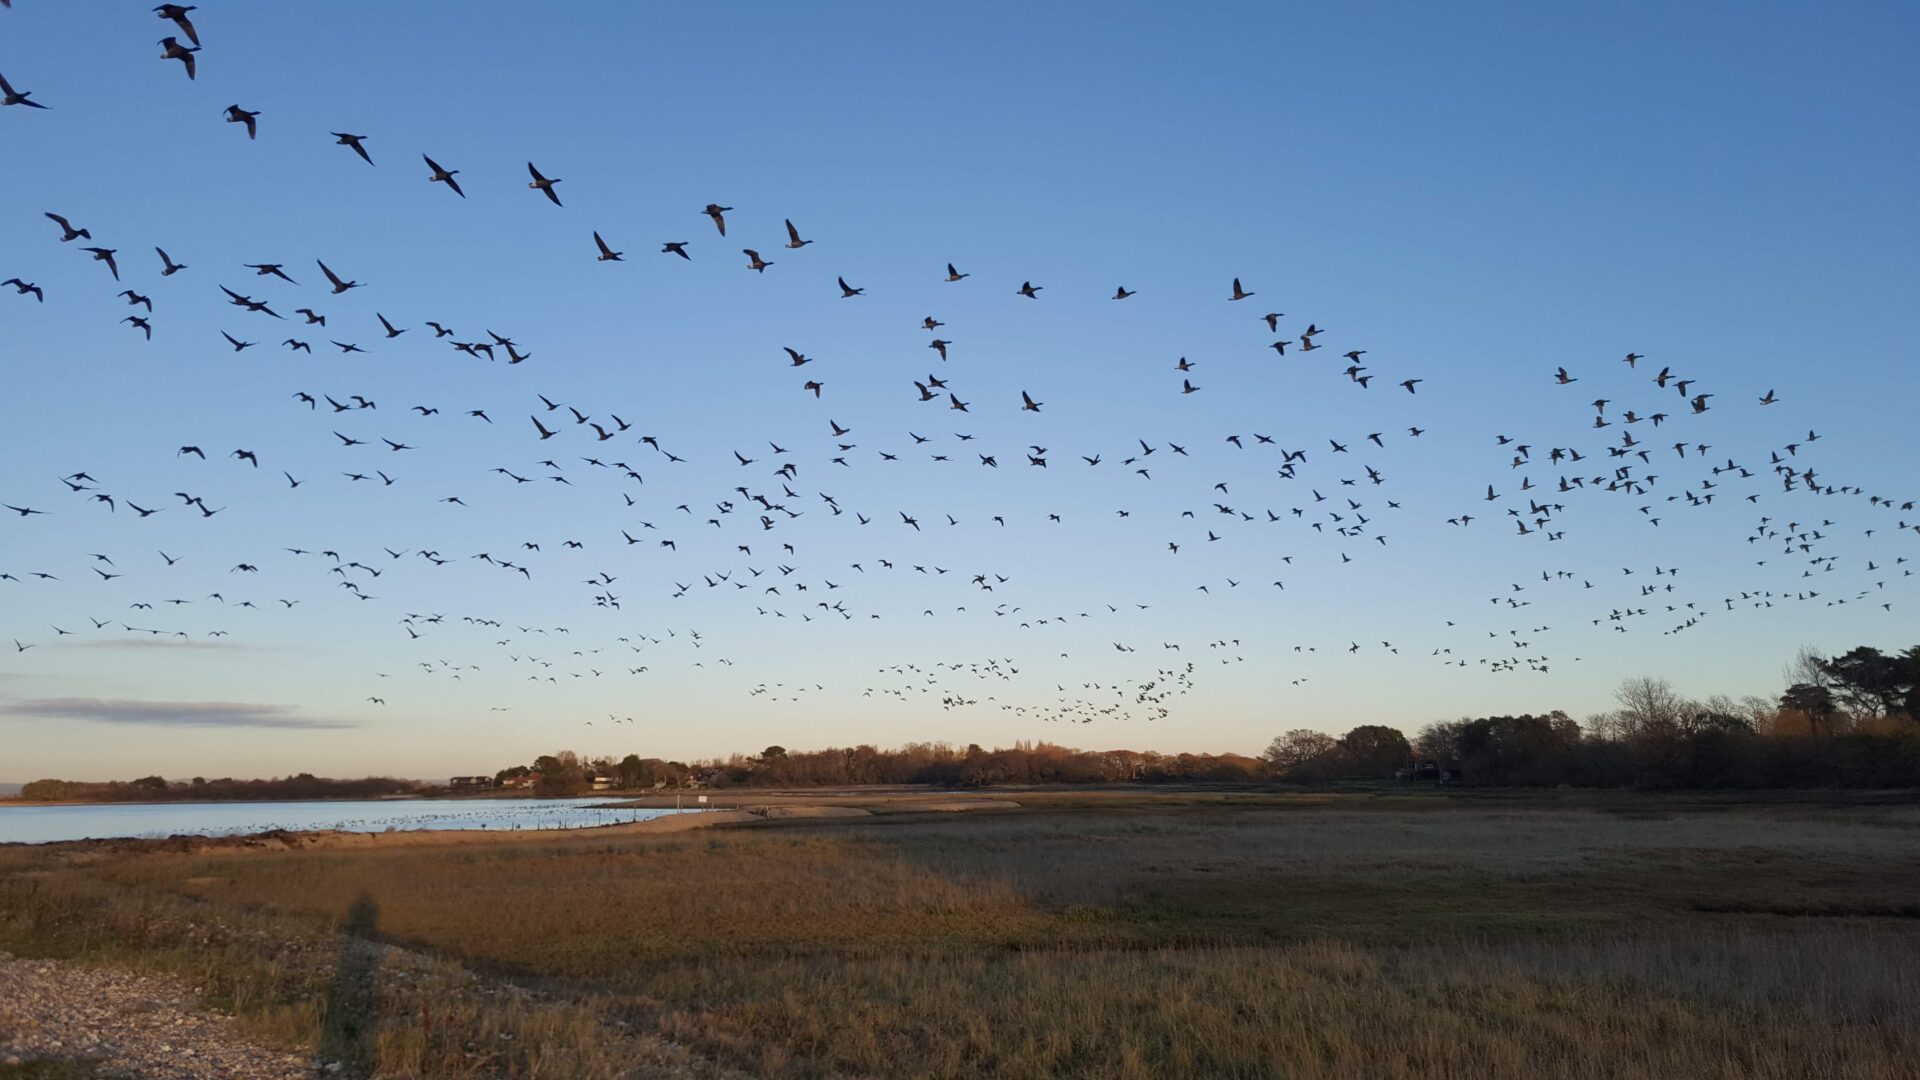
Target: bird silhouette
170, 49
339, 286
177, 14
238, 115
356, 142
438, 175
543, 185
68, 233
105, 255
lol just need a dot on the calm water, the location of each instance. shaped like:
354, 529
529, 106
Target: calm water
46, 824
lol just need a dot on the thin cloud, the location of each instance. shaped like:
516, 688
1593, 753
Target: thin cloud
147, 643
231, 714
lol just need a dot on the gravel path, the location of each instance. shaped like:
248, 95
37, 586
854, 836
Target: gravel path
127, 1024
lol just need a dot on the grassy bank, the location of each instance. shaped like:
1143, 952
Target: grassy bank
1081, 935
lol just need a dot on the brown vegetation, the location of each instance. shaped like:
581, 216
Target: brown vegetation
1118, 933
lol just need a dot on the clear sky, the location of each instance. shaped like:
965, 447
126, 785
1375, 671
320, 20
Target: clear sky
1475, 197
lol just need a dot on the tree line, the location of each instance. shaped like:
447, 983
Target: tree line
1851, 720
934, 764
300, 788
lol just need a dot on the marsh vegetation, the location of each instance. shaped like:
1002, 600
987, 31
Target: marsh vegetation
1368, 933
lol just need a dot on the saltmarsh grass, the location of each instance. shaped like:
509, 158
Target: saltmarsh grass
1095, 936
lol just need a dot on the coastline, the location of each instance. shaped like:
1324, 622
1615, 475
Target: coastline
759, 812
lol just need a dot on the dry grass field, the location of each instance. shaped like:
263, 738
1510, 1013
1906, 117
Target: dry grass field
1361, 934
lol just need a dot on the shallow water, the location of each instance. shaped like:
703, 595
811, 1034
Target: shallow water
47, 824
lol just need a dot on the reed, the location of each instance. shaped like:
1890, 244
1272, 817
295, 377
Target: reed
1338, 936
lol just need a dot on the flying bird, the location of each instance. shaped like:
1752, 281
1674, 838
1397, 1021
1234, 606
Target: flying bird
238, 115
171, 49
354, 141
25, 287
105, 255
607, 254
542, 184
443, 176
67, 231
177, 14
718, 214
338, 285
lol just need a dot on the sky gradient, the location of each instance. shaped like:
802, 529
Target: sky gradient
1474, 197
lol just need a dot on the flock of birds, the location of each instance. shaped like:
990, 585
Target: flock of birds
768, 536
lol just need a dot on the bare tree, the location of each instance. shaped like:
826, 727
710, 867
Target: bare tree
1758, 711
1435, 741
1607, 726
1648, 702
1807, 668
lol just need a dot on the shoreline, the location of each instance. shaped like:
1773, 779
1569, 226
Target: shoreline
760, 812
334, 839
17, 801
515, 795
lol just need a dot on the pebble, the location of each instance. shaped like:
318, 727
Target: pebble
127, 1024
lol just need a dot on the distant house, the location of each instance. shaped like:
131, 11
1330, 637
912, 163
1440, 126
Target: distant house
526, 780
605, 781
459, 782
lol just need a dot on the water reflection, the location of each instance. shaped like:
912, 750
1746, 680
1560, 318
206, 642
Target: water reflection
45, 824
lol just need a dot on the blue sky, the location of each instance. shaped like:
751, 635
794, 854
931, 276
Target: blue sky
1473, 196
